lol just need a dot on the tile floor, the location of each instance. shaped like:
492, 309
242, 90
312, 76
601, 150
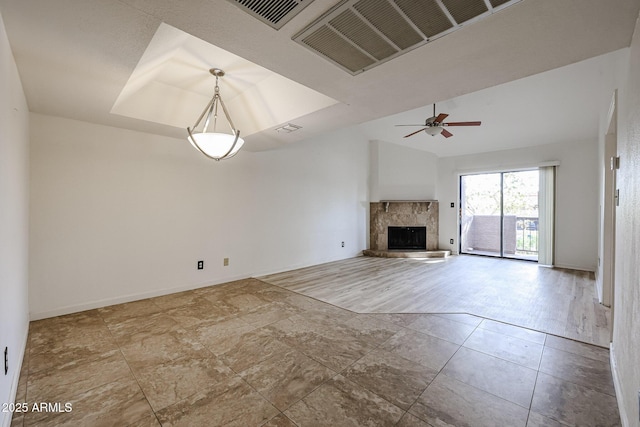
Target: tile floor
247, 353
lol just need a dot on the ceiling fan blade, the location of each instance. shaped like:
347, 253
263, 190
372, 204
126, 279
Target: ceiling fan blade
413, 133
421, 124
462, 124
440, 118
446, 133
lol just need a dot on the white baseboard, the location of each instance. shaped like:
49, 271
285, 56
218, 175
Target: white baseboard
123, 299
156, 293
575, 267
298, 266
624, 418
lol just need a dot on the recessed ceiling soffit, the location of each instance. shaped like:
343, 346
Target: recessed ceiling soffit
357, 35
171, 85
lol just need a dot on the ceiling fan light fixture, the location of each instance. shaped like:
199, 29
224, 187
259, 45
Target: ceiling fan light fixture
215, 145
433, 130
435, 125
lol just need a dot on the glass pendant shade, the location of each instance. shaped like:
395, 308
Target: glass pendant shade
216, 145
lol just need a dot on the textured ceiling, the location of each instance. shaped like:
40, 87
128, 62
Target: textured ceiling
75, 57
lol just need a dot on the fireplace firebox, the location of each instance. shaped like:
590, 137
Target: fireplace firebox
407, 238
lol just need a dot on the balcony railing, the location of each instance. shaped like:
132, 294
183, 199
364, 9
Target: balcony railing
527, 234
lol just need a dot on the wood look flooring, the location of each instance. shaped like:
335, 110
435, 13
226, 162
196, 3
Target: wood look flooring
555, 301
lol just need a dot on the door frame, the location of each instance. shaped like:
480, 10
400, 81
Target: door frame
608, 232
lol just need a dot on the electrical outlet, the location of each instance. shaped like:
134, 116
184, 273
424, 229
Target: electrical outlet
6, 360
451, 241
225, 262
343, 244
453, 205
200, 265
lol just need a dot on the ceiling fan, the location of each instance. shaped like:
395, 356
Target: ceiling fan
435, 125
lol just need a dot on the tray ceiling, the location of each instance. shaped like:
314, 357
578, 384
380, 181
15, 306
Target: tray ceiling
171, 85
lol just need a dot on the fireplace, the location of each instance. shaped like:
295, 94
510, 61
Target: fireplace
407, 238
406, 214
404, 229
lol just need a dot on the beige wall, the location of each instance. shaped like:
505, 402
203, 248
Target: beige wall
14, 168
626, 324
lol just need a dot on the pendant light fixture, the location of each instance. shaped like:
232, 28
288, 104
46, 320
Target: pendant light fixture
213, 144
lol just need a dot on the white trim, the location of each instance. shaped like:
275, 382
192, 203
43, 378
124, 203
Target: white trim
259, 274
611, 112
123, 299
574, 267
546, 214
599, 290
505, 168
160, 292
605, 282
624, 418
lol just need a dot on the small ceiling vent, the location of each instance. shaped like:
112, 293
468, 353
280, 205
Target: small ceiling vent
274, 13
358, 35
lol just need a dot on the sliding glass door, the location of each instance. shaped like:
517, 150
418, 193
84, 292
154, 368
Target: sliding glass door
499, 214
481, 214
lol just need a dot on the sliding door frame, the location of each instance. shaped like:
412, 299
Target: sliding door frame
501, 171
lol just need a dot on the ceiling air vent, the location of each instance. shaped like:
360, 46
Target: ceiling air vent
274, 13
358, 35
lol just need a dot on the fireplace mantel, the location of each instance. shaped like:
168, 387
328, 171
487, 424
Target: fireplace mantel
386, 203
407, 213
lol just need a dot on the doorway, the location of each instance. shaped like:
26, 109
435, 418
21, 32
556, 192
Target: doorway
499, 214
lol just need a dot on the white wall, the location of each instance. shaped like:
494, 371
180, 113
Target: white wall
309, 198
118, 215
14, 168
402, 173
626, 323
576, 194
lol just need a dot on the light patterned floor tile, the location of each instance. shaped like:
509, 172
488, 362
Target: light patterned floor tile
234, 403
340, 402
449, 402
442, 328
573, 404
504, 379
516, 350
398, 380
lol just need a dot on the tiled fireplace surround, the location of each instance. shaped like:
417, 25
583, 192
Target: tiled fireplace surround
410, 213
